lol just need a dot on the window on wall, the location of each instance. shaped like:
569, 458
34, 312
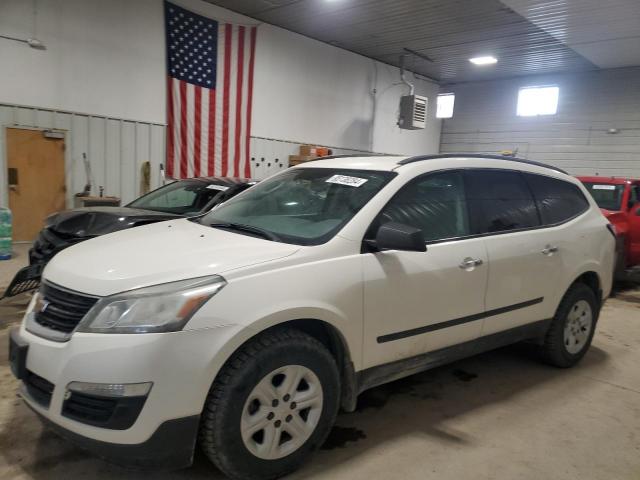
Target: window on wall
534, 101
445, 105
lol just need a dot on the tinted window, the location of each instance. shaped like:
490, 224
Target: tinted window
435, 204
499, 201
557, 200
606, 195
633, 197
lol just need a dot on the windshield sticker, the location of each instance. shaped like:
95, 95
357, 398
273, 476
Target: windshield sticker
222, 188
604, 187
347, 180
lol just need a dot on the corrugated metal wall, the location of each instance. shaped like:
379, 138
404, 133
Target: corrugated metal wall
269, 156
115, 148
577, 138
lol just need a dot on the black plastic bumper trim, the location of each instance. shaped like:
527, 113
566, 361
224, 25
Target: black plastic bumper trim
105, 412
170, 447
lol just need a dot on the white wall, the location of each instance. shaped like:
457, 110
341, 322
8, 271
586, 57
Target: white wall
107, 58
308, 91
576, 138
102, 57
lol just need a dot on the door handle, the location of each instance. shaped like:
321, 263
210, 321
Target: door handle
470, 263
548, 250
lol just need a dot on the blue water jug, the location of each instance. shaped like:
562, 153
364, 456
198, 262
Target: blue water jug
5, 233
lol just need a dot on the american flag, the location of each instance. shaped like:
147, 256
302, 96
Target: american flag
209, 93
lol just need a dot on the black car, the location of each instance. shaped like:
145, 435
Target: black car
183, 198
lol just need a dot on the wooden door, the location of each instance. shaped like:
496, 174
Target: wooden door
36, 180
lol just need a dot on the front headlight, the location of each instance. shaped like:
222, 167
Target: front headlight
161, 308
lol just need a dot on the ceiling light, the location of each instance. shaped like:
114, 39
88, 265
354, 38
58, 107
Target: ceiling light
489, 60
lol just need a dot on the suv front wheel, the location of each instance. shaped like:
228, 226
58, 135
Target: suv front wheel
271, 406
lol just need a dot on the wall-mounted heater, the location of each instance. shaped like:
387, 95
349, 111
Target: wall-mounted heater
413, 108
413, 112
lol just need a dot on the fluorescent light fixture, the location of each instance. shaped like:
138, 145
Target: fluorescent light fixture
488, 60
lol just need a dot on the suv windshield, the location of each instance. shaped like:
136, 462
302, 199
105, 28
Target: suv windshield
184, 197
305, 206
606, 195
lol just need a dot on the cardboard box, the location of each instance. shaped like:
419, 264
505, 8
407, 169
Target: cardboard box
308, 151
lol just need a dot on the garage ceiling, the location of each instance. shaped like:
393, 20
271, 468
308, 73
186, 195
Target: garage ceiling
527, 36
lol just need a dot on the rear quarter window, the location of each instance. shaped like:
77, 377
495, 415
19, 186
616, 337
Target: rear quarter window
558, 201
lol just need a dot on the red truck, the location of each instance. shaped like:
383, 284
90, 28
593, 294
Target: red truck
619, 200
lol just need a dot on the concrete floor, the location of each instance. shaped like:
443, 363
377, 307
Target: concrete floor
501, 415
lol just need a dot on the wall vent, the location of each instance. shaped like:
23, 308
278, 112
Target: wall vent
413, 112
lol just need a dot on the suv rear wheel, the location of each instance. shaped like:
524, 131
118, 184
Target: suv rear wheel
271, 406
573, 326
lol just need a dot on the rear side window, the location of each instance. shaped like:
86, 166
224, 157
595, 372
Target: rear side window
558, 201
499, 201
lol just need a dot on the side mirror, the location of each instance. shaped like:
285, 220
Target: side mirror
398, 236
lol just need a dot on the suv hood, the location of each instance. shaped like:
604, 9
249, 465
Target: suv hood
158, 253
94, 221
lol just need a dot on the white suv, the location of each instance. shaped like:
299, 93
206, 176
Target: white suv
248, 328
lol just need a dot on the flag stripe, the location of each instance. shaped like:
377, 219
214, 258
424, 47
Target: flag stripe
226, 100
177, 129
183, 130
222, 46
212, 132
197, 108
190, 130
170, 131
247, 165
238, 105
204, 131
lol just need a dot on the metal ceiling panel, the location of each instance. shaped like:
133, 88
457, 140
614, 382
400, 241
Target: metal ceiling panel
448, 32
607, 32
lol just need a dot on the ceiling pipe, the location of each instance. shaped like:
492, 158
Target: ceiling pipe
403, 77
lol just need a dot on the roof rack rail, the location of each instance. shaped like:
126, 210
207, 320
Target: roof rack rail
419, 158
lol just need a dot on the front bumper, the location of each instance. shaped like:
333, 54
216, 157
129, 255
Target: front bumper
181, 366
171, 446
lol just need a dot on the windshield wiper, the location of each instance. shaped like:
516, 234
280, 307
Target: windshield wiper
247, 228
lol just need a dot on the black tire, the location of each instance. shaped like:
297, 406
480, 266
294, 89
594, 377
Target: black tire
220, 436
554, 351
